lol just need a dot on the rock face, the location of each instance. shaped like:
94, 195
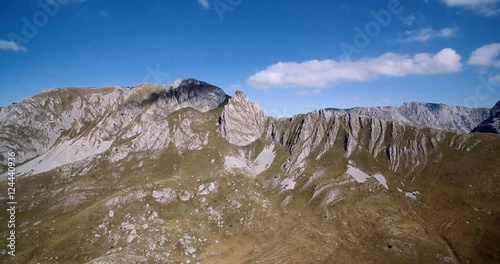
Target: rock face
62, 126
492, 124
323, 131
242, 121
456, 119
495, 110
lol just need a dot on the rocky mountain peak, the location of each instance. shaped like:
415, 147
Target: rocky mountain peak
193, 93
492, 124
456, 119
241, 96
187, 82
495, 111
242, 121
429, 106
99, 117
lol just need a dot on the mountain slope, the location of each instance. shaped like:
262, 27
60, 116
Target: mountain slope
492, 124
68, 125
457, 119
188, 174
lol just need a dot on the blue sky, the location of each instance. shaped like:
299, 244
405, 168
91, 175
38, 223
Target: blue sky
289, 56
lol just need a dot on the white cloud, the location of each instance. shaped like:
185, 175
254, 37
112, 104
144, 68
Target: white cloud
425, 34
484, 7
486, 55
356, 98
469, 2
204, 3
495, 79
386, 100
11, 45
321, 74
104, 13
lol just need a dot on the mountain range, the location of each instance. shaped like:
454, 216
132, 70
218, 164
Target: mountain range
457, 119
184, 173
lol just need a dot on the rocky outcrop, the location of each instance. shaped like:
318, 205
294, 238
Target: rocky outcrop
65, 122
495, 110
492, 124
31, 127
456, 119
190, 93
242, 122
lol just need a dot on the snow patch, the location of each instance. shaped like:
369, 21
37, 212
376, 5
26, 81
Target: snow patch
263, 160
64, 153
412, 195
287, 184
260, 164
361, 176
357, 174
381, 179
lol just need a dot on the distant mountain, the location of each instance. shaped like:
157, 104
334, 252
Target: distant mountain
456, 119
184, 173
492, 124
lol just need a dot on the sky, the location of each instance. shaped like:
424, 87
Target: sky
289, 56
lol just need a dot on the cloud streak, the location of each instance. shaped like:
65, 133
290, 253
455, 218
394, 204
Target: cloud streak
483, 7
325, 73
204, 3
11, 45
487, 55
495, 79
425, 34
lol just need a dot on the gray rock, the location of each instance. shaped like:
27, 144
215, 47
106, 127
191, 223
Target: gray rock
79, 123
492, 124
406, 146
456, 119
242, 122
